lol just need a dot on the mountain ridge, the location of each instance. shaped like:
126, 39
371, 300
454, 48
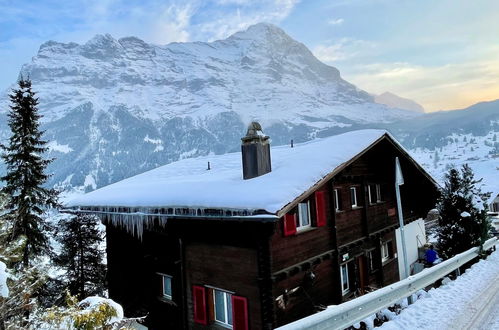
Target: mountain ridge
117, 107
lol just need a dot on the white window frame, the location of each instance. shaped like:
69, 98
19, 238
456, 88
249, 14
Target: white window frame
346, 290
385, 252
300, 221
370, 256
353, 203
336, 200
163, 293
378, 193
370, 196
227, 298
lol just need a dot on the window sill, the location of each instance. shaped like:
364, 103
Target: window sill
377, 203
167, 301
304, 230
220, 325
386, 262
356, 207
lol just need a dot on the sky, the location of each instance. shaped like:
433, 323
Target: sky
442, 54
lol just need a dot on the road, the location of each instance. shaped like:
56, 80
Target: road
482, 312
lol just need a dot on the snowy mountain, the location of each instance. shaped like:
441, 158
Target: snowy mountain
395, 101
443, 139
115, 108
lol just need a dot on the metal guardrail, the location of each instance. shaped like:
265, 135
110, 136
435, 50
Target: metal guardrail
350, 312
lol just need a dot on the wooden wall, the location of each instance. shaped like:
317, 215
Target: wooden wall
225, 267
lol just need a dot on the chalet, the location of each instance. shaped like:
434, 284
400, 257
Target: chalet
206, 243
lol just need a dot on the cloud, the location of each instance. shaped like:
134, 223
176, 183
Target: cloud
448, 86
344, 49
225, 23
337, 21
172, 25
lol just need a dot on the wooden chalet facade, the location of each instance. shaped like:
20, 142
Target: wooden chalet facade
219, 268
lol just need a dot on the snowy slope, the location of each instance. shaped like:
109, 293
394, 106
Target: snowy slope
115, 108
395, 101
453, 138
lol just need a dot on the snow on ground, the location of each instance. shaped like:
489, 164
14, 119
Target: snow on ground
469, 302
4, 290
476, 151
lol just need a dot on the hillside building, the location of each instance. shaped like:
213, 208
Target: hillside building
208, 243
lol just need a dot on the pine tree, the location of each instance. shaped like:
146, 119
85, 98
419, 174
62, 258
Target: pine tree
25, 176
463, 221
82, 256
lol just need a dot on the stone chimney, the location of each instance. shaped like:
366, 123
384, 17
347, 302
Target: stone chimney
255, 148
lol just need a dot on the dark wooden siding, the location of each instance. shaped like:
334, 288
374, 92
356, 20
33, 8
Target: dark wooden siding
310, 293
225, 267
391, 268
288, 251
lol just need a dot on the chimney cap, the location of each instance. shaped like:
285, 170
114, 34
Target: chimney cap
254, 132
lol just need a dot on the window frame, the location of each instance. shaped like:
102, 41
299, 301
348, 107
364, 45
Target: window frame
163, 294
227, 311
299, 224
342, 277
378, 193
385, 247
370, 195
374, 193
354, 204
370, 257
336, 193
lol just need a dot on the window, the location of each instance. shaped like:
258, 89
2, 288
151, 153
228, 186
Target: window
386, 251
370, 257
374, 192
353, 196
373, 260
378, 192
167, 286
345, 284
222, 302
337, 201
303, 220
216, 306
371, 193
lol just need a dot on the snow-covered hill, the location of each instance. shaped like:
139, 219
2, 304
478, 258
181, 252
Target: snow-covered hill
115, 108
396, 101
441, 140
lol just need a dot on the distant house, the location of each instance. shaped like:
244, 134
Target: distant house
206, 243
494, 205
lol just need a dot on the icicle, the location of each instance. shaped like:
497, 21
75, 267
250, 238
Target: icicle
143, 217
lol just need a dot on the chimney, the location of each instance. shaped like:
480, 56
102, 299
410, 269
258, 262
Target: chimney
255, 148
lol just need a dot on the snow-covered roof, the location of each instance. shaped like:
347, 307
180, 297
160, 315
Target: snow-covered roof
187, 183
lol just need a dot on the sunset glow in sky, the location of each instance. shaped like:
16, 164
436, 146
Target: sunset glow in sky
442, 54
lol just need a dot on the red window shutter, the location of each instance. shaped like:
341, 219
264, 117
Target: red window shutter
320, 208
289, 224
199, 304
239, 313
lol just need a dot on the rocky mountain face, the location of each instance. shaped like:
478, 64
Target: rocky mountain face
395, 101
115, 108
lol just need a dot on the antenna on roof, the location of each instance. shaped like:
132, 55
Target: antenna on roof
209, 168
291, 143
